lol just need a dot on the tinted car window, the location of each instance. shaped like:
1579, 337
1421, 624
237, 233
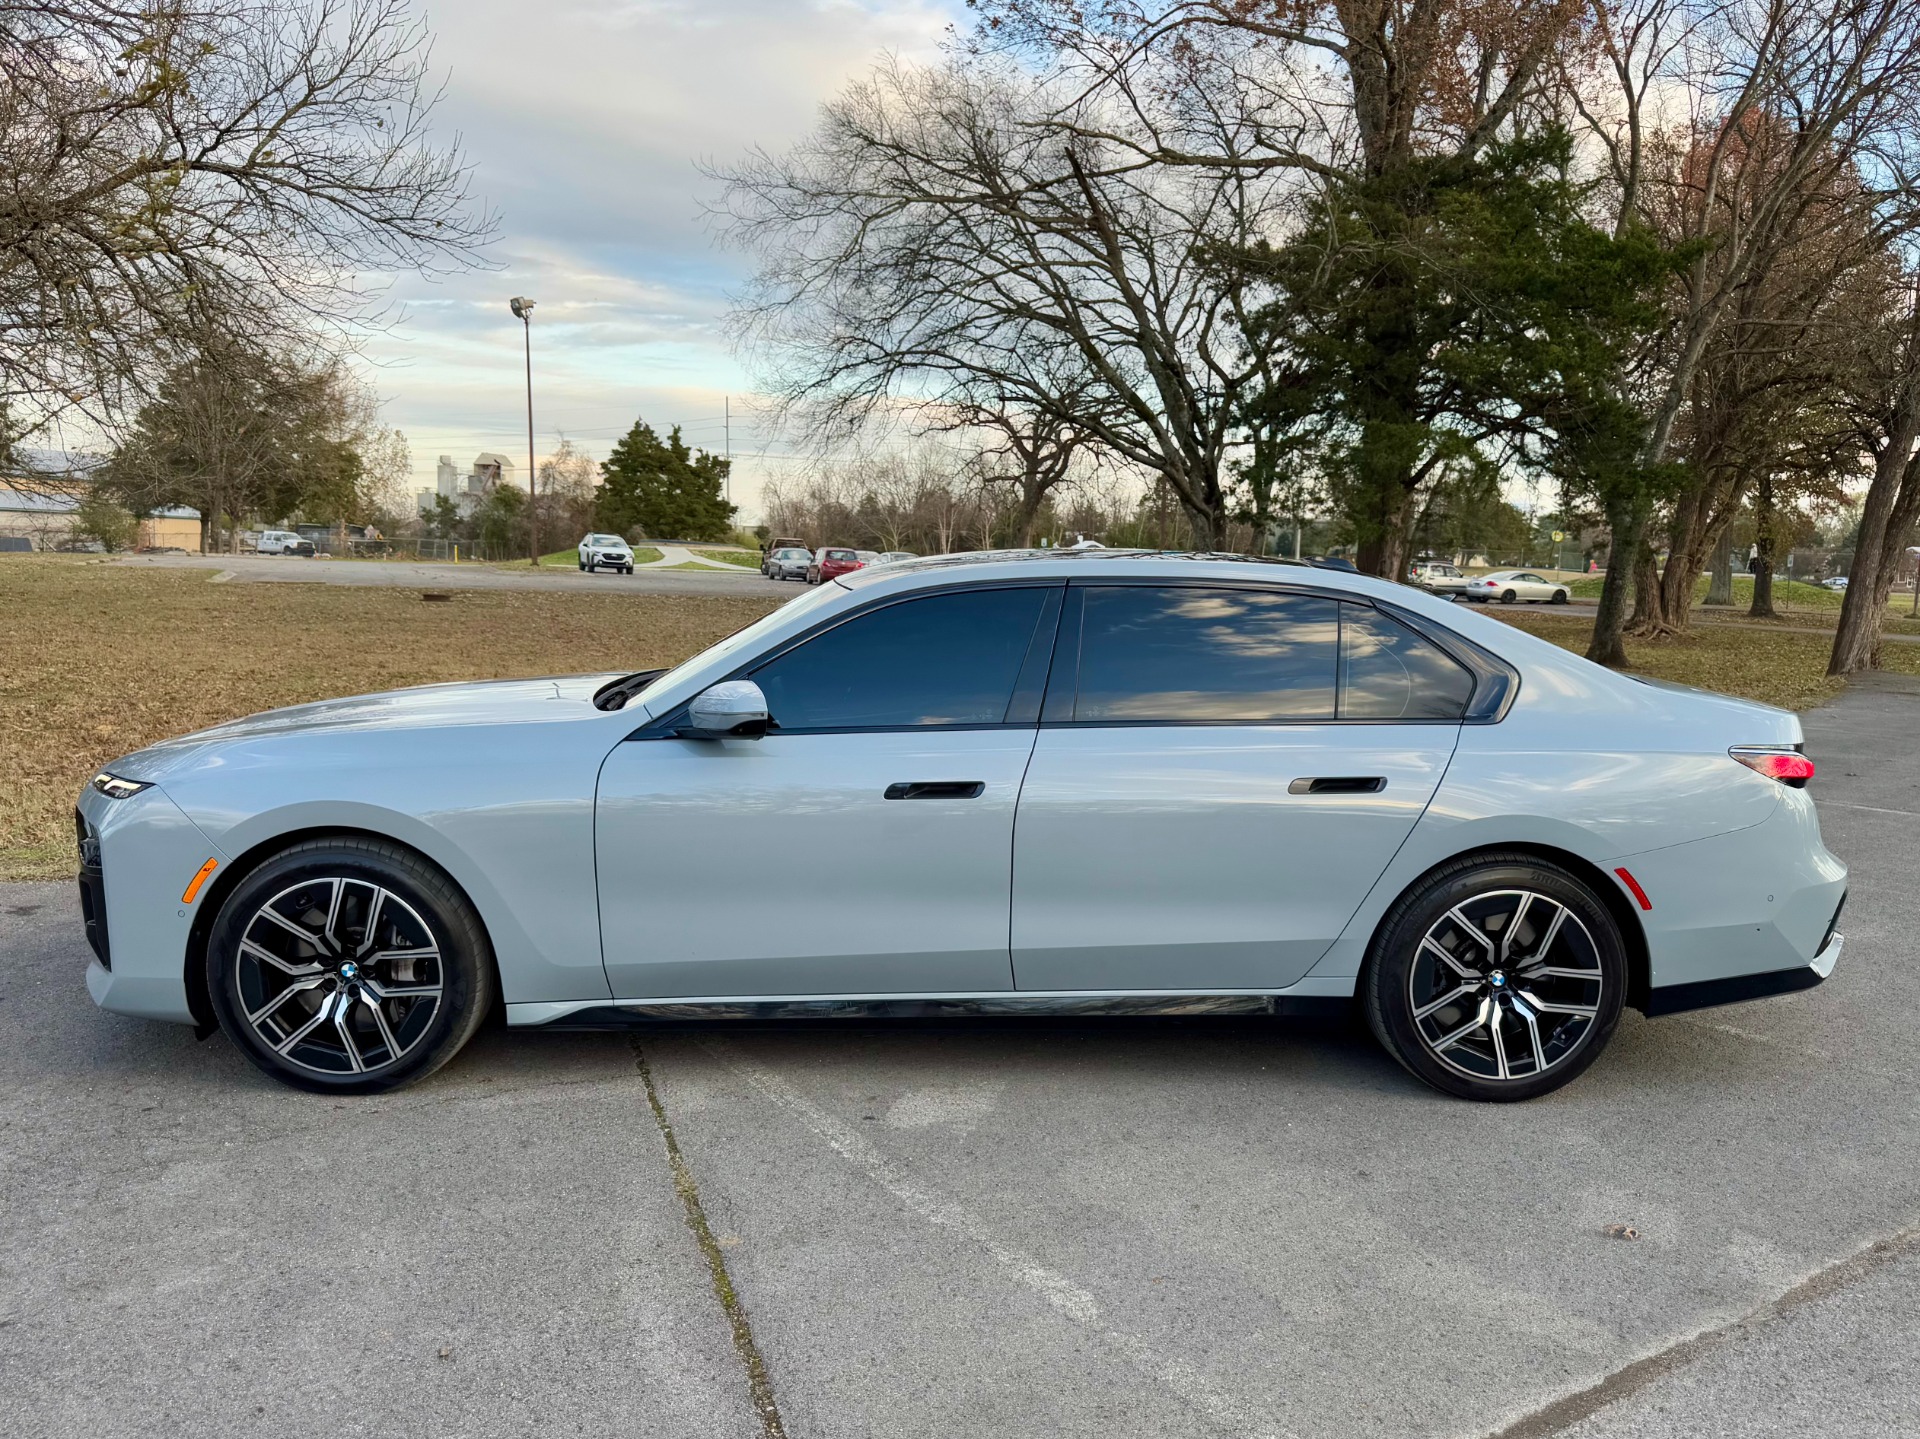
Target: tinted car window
1205, 654
1389, 672
947, 659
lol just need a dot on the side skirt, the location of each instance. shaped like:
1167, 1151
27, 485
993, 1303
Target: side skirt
628, 1016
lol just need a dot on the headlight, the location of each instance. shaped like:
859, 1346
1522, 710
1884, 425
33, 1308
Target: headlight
113, 787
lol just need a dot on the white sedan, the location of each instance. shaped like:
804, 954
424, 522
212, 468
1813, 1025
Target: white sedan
1239, 786
1510, 586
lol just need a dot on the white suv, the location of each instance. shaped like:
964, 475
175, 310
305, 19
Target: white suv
608, 550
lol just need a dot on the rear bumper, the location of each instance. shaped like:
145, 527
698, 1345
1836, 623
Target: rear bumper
1678, 998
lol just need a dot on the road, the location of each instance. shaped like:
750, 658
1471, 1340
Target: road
425, 575
957, 1229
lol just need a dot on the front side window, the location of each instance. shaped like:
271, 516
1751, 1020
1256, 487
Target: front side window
1182, 654
945, 660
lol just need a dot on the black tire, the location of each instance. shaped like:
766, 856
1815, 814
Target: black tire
1402, 966
1559, 597
460, 970
1509, 597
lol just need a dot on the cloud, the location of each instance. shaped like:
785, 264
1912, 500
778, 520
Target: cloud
587, 125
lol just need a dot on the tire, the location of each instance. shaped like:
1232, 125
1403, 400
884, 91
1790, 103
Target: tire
1508, 598
1498, 998
583, 567
302, 914
1559, 597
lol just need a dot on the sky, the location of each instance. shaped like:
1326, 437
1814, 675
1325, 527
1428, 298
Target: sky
586, 122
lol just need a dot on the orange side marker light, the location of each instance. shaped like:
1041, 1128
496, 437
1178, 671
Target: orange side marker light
1634, 885
199, 879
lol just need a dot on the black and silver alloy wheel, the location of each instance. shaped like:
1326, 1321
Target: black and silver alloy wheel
1504, 985
1499, 977
338, 975
348, 965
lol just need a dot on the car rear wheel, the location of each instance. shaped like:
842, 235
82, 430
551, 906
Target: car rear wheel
1508, 597
1559, 597
348, 966
1499, 978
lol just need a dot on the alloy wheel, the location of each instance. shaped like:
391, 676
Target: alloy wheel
339, 976
1506, 985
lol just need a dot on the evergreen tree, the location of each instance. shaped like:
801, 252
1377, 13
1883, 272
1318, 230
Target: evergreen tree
663, 488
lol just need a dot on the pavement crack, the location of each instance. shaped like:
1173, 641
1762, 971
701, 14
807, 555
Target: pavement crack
759, 1383
1628, 1380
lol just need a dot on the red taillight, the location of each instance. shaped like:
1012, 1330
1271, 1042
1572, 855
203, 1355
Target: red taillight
1788, 766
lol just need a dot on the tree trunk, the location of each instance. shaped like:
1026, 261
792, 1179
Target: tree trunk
1627, 523
1648, 601
1762, 606
1720, 589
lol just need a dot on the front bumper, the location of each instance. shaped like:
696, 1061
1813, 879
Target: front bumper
1678, 998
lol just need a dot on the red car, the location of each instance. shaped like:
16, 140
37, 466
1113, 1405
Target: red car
832, 562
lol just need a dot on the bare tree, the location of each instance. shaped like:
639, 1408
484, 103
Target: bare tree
1826, 91
184, 172
954, 234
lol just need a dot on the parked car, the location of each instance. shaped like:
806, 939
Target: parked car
1838, 582
1491, 844
1509, 586
788, 564
890, 556
767, 553
1437, 578
606, 552
831, 562
284, 542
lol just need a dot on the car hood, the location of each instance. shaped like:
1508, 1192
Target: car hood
487, 702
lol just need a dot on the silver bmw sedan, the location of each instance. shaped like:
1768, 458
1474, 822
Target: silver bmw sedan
1022, 782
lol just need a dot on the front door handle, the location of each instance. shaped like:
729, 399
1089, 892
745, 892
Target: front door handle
1339, 784
937, 789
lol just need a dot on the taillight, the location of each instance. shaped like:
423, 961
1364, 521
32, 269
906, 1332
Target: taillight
1781, 762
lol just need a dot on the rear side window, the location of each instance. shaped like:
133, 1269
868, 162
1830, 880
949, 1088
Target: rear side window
1389, 672
1184, 654
944, 660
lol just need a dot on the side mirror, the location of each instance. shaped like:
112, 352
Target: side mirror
732, 709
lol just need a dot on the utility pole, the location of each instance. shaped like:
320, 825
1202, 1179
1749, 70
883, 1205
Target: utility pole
726, 412
523, 307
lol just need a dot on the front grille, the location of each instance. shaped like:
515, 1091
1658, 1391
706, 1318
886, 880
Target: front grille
93, 890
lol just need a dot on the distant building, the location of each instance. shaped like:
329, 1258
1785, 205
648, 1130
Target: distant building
468, 490
45, 522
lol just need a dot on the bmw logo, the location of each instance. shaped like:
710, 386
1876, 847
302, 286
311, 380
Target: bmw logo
349, 970
1499, 979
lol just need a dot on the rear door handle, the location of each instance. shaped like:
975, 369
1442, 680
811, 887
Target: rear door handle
1339, 784
937, 789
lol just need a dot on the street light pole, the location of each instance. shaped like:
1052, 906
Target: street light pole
523, 307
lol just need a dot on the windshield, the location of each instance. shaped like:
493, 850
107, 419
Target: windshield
605, 540
743, 639
840, 554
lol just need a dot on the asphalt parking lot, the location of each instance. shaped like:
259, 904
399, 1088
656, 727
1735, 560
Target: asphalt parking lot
986, 1228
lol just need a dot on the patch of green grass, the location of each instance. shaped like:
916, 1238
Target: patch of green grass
1795, 593
746, 559
570, 559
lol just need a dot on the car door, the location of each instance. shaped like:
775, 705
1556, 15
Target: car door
1221, 774
865, 845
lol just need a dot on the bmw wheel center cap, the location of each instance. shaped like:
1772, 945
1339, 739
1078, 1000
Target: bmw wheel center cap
349, 970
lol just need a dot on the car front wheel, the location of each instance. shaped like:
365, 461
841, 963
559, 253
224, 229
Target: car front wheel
348, 966
1499, 978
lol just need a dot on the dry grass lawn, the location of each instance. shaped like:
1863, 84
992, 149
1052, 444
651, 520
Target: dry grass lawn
97, 660
1773, 666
